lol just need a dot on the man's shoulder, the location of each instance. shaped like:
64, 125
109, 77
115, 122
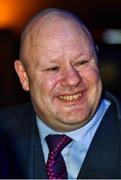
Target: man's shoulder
16, 109
13, 116
115, 103
109, 96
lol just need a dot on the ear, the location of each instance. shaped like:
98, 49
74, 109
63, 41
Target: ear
23, 77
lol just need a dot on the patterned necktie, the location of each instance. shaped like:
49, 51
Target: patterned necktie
56, 168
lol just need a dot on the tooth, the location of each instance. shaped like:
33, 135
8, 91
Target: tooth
70, 97
64, 97
76, 96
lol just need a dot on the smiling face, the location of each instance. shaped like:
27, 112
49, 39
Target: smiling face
62, 75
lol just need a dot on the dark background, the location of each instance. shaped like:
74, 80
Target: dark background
98, 15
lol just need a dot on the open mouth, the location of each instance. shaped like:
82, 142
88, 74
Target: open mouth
71, 98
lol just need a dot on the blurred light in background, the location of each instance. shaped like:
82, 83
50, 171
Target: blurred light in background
15, 13
112, 36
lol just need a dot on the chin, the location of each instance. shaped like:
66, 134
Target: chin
74, 120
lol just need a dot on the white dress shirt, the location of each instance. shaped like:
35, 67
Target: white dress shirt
74, 153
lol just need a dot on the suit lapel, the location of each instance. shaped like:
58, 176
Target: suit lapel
102, 157
39, 171
27, 160
23, 144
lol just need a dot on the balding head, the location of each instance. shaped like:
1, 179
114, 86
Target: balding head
47, 23
58, 67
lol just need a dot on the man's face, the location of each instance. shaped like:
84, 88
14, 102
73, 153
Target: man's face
64, 81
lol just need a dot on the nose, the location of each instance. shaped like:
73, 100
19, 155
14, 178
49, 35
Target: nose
71, 77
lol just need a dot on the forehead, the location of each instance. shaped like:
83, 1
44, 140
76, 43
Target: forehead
62, 35
56, 35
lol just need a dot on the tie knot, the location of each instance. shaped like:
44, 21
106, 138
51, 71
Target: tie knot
57, 142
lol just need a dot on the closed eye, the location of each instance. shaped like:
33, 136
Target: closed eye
52, 69
82, 62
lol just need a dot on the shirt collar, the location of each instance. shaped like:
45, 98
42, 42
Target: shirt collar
78, 134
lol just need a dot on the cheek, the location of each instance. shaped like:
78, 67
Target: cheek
47, 84
95, 86
91, 76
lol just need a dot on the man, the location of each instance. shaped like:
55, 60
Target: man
59, 67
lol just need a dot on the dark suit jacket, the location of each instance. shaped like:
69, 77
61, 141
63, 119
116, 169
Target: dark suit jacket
21, 154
